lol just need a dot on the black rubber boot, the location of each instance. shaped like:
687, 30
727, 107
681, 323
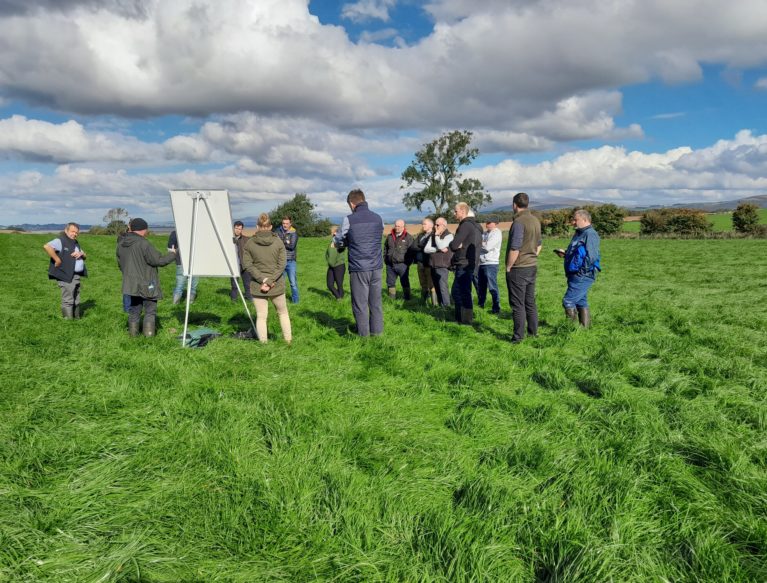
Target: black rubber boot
572, 314
149, 326
584, 317
67, 312
133, 329
406, 293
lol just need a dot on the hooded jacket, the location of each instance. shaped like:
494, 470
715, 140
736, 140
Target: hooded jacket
139, 260
264, 257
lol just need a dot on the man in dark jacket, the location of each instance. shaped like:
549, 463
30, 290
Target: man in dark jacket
287, 232
239, 241
67, 266
398, 250
466, 246
361, 233
139, 261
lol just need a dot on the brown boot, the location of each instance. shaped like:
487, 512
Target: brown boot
584, 317
572, 314
392, 292
467, 316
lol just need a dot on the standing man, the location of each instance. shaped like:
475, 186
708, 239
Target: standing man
440, 258
139, 261
361, 233
581, 266
422, 263
465, 246
522, 252
287, 232
239, 242
489, 257
67, 266
181, 279
397, 253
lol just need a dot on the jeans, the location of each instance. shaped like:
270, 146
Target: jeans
488, 281
367, 305
577, 290
461, 290
521, 284
401, 271
290, 271
181, 281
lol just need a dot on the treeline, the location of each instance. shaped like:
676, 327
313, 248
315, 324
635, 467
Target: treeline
695, 223
607, 219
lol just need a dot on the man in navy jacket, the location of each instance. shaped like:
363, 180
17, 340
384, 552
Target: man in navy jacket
361, 233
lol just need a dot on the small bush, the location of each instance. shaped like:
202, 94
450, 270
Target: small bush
685, 222
745, 218
607, 219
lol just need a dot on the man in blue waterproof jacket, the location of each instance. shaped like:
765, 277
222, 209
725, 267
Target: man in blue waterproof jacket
581, 266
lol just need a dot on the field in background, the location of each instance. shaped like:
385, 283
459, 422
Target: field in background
721, 221
635, 451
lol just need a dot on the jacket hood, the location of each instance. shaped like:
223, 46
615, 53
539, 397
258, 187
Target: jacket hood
266, 238
129, 239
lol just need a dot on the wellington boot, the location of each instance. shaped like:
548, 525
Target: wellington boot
434, 298
584, 317
572, 314
177, 299
194, 297
76, 312
457, 312
406, 293
149, 326
67, 312
467, 316
392, 292
133, 329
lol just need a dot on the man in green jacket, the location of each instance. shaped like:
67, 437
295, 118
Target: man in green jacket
139, 261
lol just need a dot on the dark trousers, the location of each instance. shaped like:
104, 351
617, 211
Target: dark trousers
521, 284
335, 280
245, 286
487, 281
136, 304
461, 290
401, 271
367, 305
439, 276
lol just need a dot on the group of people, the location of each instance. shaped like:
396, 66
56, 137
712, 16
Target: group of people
268, 258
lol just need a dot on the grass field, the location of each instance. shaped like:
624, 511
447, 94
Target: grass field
634, 451
720, 221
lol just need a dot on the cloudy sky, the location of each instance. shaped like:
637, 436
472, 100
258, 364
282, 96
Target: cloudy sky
107, 103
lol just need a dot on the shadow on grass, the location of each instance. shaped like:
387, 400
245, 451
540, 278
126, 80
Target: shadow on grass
324, 293
196, 318
87, 306
342, 326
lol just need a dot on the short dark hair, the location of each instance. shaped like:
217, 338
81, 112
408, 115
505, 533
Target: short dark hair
356, 196
287, 218
239, 224
72, 225
521, 200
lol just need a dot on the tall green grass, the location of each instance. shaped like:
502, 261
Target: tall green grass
635, 451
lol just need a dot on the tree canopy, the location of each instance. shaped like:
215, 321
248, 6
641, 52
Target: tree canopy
300, 209
116, 220
435, 173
